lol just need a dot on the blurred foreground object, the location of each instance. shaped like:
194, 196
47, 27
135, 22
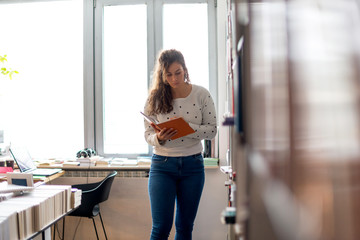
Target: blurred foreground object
302, 119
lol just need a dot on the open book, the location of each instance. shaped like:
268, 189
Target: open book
179, 124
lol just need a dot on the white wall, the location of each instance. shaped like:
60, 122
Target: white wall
126, 214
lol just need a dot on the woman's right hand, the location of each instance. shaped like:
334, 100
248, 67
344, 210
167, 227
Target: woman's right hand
164, 134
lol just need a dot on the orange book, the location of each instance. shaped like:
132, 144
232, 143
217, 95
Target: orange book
179, 124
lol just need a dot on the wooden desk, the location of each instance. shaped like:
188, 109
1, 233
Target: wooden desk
49, 178
132, 171
141, 167
101, 167
42, 178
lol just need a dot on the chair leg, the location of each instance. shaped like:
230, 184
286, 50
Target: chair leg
63, 233
54, 225
97, 236
103, 225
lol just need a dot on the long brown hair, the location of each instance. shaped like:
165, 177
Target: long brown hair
160, 97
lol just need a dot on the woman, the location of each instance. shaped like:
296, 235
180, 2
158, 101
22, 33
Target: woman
177, 169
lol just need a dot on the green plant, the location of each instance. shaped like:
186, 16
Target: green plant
6, 71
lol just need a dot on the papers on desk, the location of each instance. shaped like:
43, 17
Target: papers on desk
45, 162
97, 161
144, 161
89, 161
103, 162
71, 164
122, 162
86, 162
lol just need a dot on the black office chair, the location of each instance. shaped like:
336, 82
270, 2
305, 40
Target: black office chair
92, 195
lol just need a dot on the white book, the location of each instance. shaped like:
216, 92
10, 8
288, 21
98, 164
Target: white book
9, 223
76, 195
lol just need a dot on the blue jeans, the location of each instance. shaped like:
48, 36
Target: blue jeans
180, 180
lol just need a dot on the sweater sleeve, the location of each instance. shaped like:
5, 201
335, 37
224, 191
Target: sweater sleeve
208, 127
149, 134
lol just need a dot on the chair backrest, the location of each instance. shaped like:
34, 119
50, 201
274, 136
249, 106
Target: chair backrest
93, 194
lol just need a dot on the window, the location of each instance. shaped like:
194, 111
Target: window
124, 78
84, 78
188, 34
128, 36
42, 106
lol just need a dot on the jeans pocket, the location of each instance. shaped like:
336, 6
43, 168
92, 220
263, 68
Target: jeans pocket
158, 159
199, 158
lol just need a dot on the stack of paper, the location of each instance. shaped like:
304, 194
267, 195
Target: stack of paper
123, 162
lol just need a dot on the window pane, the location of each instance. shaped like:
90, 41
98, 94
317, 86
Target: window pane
189, 35
124, 78
42, 107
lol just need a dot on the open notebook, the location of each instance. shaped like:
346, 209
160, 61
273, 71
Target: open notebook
27, 165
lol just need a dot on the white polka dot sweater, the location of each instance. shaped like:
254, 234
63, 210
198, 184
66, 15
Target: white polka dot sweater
198, 110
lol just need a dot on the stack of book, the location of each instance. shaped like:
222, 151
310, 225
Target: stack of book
63, 195
89, 161
4, 170
211, 162
123, 162
75, 197
86, 162
103, 162
26, 214
71, 163
8, 224
144, 161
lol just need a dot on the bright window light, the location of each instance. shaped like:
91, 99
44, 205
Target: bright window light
124, 78
42, 106
190, 36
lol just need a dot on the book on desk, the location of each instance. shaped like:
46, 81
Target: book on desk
24, 215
